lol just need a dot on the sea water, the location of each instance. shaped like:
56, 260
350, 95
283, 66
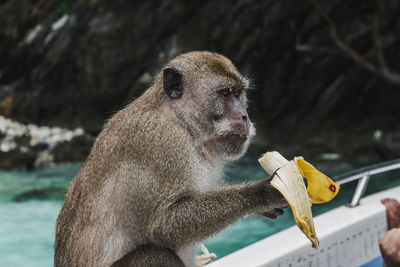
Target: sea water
29, 205
30, 202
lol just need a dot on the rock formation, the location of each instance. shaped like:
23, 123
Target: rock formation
74, 63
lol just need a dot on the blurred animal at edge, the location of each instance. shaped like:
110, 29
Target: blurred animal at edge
390, 242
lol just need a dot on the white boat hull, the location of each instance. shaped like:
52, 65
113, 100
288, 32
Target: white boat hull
348, 237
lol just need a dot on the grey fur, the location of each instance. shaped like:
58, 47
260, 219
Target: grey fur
150, 179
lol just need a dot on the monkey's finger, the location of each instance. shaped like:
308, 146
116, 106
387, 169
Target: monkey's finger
269, 215
283, 204
275, 196
272, 175
272, 214
278, 211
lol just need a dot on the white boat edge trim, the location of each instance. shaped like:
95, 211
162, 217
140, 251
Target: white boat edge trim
348, 237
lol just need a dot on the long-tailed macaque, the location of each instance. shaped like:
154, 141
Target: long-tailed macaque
150, 189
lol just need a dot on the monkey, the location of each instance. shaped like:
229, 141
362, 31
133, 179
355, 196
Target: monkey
151, 256
152, 186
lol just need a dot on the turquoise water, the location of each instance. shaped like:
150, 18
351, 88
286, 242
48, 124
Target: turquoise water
29, 205
30, 202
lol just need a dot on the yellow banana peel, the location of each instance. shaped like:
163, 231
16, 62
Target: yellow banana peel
320, 187
289, 181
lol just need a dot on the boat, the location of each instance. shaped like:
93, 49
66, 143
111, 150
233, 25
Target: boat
349, 235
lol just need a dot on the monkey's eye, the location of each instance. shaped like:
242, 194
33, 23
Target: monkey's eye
237, 92
225, 91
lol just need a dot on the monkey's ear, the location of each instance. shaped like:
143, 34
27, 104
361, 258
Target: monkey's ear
172, 82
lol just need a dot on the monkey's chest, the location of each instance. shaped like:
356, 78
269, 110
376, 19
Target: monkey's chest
207, 177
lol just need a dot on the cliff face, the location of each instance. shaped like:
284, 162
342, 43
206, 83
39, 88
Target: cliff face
76, 69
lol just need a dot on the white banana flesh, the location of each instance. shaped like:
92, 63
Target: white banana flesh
290, 183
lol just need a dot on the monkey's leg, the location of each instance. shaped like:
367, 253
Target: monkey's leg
150, 256
198, 215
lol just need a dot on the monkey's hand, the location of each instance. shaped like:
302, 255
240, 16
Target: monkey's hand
277, 200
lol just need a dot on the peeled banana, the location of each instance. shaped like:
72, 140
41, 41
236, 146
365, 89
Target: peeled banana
289, 181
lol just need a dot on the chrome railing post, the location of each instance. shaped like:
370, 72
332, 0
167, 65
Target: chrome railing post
360, 190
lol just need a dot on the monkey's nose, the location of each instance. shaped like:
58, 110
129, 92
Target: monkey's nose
244, 118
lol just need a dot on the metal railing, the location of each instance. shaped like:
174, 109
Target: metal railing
363, 176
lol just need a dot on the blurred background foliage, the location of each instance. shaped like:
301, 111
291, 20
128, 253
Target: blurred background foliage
325, 75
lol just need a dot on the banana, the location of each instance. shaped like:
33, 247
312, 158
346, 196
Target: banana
320, 187
289, 181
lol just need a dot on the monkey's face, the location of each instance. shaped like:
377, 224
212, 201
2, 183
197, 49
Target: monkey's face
209, 92
231, 127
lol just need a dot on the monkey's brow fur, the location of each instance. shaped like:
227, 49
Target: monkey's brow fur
212, 63
149, 180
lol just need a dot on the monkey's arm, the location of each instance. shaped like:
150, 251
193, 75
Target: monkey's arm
197, 216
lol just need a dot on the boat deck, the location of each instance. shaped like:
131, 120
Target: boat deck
348, 237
